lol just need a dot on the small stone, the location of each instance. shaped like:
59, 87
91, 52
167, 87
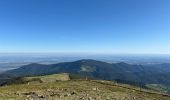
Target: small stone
48, 90
90, 98
81, 98
134, 98
68, 94
72, 93
41, 96
95, 89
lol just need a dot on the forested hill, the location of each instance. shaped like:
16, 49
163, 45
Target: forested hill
122, 72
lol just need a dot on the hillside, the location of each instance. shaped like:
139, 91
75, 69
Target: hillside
139, 75
53, 89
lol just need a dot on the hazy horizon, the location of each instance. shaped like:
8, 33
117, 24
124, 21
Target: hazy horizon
15, 60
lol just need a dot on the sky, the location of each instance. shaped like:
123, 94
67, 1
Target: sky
85, 26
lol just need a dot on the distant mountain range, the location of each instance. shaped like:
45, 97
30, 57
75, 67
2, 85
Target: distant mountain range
122, 72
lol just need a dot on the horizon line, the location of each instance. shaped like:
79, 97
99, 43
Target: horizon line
84, 53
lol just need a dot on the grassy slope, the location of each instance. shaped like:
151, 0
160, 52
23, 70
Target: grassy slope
158, 87
75, 90
51, 78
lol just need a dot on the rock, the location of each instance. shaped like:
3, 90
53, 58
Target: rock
52, 94
134, 98
95, 89
82, 98
68, 94
41, 96
90, 98
48, 90
73, 93
29, 93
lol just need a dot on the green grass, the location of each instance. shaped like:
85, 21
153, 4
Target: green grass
51, 78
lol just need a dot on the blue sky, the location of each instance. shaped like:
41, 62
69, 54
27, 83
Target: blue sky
85, 26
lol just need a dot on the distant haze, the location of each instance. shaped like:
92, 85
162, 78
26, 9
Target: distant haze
15, 60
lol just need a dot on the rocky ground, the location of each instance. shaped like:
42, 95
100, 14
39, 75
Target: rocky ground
76, 90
